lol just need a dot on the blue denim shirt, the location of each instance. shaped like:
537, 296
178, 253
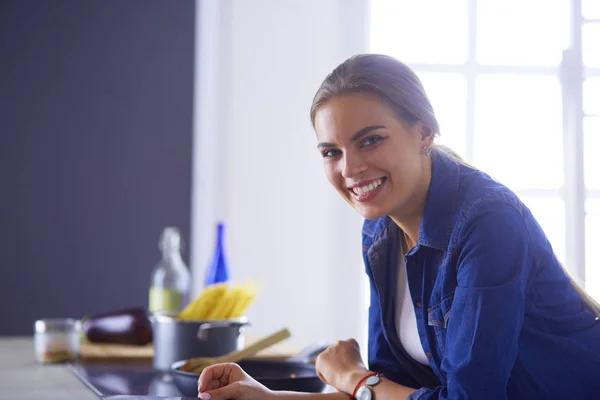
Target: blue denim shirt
496, 314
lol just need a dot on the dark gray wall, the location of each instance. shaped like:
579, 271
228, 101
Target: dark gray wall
95, 153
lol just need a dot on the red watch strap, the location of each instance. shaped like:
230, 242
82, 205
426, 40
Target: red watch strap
360, 383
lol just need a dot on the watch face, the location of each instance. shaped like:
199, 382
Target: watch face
372, 380
363, 393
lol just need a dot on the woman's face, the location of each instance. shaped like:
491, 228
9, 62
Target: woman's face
372, 159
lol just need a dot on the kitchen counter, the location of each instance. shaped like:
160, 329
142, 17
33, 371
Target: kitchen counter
21, 378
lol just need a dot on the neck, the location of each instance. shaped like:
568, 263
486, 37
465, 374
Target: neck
408, 218
410, 237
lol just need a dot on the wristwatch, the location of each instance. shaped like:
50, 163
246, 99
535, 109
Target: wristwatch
365, 392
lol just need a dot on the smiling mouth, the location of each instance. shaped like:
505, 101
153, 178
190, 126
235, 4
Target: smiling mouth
365, 190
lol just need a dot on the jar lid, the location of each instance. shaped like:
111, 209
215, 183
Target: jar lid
57, 325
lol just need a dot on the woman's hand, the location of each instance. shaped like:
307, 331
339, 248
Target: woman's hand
341, 366
229, 381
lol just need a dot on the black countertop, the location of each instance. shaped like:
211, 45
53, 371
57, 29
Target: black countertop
126, 381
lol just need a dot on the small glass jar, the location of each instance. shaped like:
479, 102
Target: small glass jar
57, 340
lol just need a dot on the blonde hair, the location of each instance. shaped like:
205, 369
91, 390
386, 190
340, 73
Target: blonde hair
588, 300
398, 85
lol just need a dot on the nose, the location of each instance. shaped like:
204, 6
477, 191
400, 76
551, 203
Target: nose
352, 165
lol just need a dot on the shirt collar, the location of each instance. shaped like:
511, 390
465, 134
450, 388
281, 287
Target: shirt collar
440, 206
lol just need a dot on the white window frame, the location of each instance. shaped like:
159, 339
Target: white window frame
572, 74
574, 193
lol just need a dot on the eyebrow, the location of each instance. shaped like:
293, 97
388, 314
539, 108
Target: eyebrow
362, 132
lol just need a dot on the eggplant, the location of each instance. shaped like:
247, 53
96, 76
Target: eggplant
130, 326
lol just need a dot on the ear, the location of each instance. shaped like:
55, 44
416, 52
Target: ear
427, 135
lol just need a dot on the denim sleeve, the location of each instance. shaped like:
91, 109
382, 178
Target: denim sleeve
488, 308
380, 355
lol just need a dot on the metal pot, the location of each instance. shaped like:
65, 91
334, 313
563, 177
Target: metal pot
176, 339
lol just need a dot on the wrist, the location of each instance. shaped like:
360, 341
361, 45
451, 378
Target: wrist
286, 395
352, 380
272, 395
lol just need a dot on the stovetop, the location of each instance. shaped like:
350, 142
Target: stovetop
127, 381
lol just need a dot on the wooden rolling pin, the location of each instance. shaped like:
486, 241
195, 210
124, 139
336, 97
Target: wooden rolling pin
197, 364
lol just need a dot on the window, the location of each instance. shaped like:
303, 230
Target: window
513, 102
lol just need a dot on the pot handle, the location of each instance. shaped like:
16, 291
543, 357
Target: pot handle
309, 353
203, 329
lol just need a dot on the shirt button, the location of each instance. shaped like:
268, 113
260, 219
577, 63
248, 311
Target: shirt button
428, 355
419, 304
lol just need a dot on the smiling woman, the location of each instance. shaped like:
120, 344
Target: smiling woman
468, 299
356, 156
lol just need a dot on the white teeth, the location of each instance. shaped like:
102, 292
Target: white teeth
367, 188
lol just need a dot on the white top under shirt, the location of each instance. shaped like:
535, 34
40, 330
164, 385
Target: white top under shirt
406, 320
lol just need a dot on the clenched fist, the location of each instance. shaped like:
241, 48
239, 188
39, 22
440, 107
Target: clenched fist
341, 366
228, 381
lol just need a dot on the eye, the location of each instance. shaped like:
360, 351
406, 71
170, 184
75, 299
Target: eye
330, 153
371, 140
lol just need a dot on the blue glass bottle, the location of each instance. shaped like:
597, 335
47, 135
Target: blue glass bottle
218, 270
